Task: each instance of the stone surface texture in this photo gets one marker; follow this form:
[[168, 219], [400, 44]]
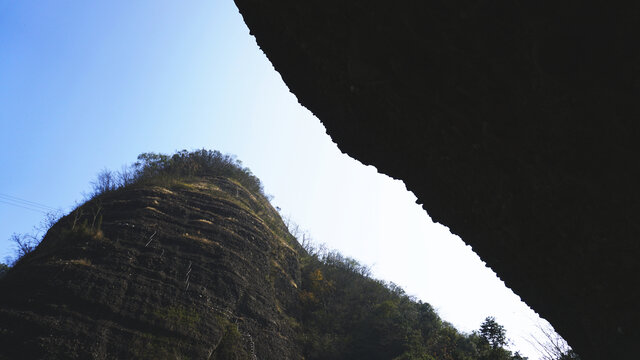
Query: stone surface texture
[[198, 270]]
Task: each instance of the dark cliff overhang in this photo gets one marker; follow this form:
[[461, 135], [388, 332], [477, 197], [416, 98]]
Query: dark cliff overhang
[[515, 123]]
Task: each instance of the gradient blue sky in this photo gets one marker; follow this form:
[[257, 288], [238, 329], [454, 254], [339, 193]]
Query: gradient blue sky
[[87, 85]]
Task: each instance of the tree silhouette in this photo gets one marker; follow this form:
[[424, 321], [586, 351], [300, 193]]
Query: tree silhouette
[[493, 333], [4, 268]]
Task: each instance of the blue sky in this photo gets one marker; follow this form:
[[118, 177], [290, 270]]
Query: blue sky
[[87, 85]]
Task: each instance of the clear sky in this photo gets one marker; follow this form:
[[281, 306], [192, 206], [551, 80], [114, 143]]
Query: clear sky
[[87, 85]]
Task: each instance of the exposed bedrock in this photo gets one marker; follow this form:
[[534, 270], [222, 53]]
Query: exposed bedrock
[[515, 123]]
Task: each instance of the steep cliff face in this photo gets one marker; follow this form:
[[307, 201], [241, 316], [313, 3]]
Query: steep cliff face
[[514, 123], [202, 268], [192, 270]]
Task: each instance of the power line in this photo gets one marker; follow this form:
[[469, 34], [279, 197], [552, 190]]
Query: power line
[[24, 207], [25, 202]]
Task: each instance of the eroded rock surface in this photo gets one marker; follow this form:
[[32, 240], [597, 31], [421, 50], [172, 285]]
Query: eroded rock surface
[[199, 270]]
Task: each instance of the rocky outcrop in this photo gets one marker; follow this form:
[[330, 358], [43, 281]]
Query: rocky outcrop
[[179, 266], [514, 123], [201, 269]]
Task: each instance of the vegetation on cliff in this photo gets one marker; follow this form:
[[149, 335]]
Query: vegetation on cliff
[[149, 169], [347, 314], [174, 257], [183, 165], [183, 256]]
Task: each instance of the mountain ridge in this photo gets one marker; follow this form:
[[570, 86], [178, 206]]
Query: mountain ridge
[[148, 244], [186, 258]]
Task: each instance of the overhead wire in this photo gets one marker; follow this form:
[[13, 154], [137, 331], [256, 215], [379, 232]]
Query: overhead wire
[[24, 207], [25, 201], [25, 204]]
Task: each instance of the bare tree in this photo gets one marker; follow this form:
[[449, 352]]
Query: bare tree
[[50, 219], [24, 244], [77, 215], [551, 345], [105, 182], [95, 211], [303, 237], [126, 176]]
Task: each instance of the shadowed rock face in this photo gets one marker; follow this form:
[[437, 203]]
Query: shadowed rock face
[[199, 270], [515, 123]]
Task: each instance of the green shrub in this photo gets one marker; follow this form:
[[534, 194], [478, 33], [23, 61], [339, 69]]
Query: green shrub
[[167, 169]]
